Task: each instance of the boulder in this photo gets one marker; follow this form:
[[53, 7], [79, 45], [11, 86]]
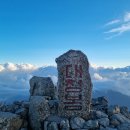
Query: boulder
[[64, 124], [91, 124], [113, 110], [107, 128], [25, 104], [100, 103], [10, 121], [104, 122], [38, 111], [53, 104], [100, 114], [22, 112], [23, 129], [42, 86], [54, 118], [52, 126], [124, 111], [124, 126], [120, 118], [114, 122], [77, 122]]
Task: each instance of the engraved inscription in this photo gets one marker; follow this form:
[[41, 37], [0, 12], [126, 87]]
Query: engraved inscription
[[73, 94]]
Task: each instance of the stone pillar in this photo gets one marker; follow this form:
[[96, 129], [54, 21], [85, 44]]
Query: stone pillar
[[74, 84]]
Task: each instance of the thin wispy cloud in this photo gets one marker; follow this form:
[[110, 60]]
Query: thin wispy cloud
[[127, 17], [112, 22], [120, 28]]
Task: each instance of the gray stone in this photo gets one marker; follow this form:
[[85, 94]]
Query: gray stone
[[114, 122], [53, 104], [107, 128], [104, 122], [38, 111], [45, 125], [119, 117], [42, 86], [82, 129], [113, 110], [22, 112], [124, 111], [124, 126], [64, 124], [54, 118], [77, 123], [91, 124], [100, 103], [100, 114], [25, 104], [23, 129], [25, 124], [52, 126], [74, 84], [10, 121]]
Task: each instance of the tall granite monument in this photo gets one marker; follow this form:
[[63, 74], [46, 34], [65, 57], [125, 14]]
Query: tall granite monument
[[74, 84]]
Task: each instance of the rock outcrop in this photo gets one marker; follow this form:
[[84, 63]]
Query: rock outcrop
[[14, 116]]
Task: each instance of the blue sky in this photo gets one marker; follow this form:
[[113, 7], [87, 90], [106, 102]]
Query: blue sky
[[38, 31]]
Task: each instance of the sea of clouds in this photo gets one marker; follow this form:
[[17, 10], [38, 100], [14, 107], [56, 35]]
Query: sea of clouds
[[14, 80]]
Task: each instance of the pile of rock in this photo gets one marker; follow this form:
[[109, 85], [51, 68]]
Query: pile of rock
[[14, 116], [111, 118]]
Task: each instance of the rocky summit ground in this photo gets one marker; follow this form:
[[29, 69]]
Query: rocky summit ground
[[102, 117]]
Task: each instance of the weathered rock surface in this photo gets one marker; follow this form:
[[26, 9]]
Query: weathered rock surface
[[38, 111], [104, 122], [100, 114], [77, 123], [113, 110], [119, 117], [91, 124], [99, 120], [74, 84], [42, 86], [10, 121], [52, 126], [100, 103], [124, 111], [64, 124], [124, 126]]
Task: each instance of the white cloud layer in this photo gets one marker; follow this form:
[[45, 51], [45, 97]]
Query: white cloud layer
[[97, 76], [14, 79], [120, 28]]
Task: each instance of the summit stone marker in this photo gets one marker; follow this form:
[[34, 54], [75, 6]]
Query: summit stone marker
[[74, 84]]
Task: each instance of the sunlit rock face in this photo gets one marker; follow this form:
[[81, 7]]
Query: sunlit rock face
[[74, 84]]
